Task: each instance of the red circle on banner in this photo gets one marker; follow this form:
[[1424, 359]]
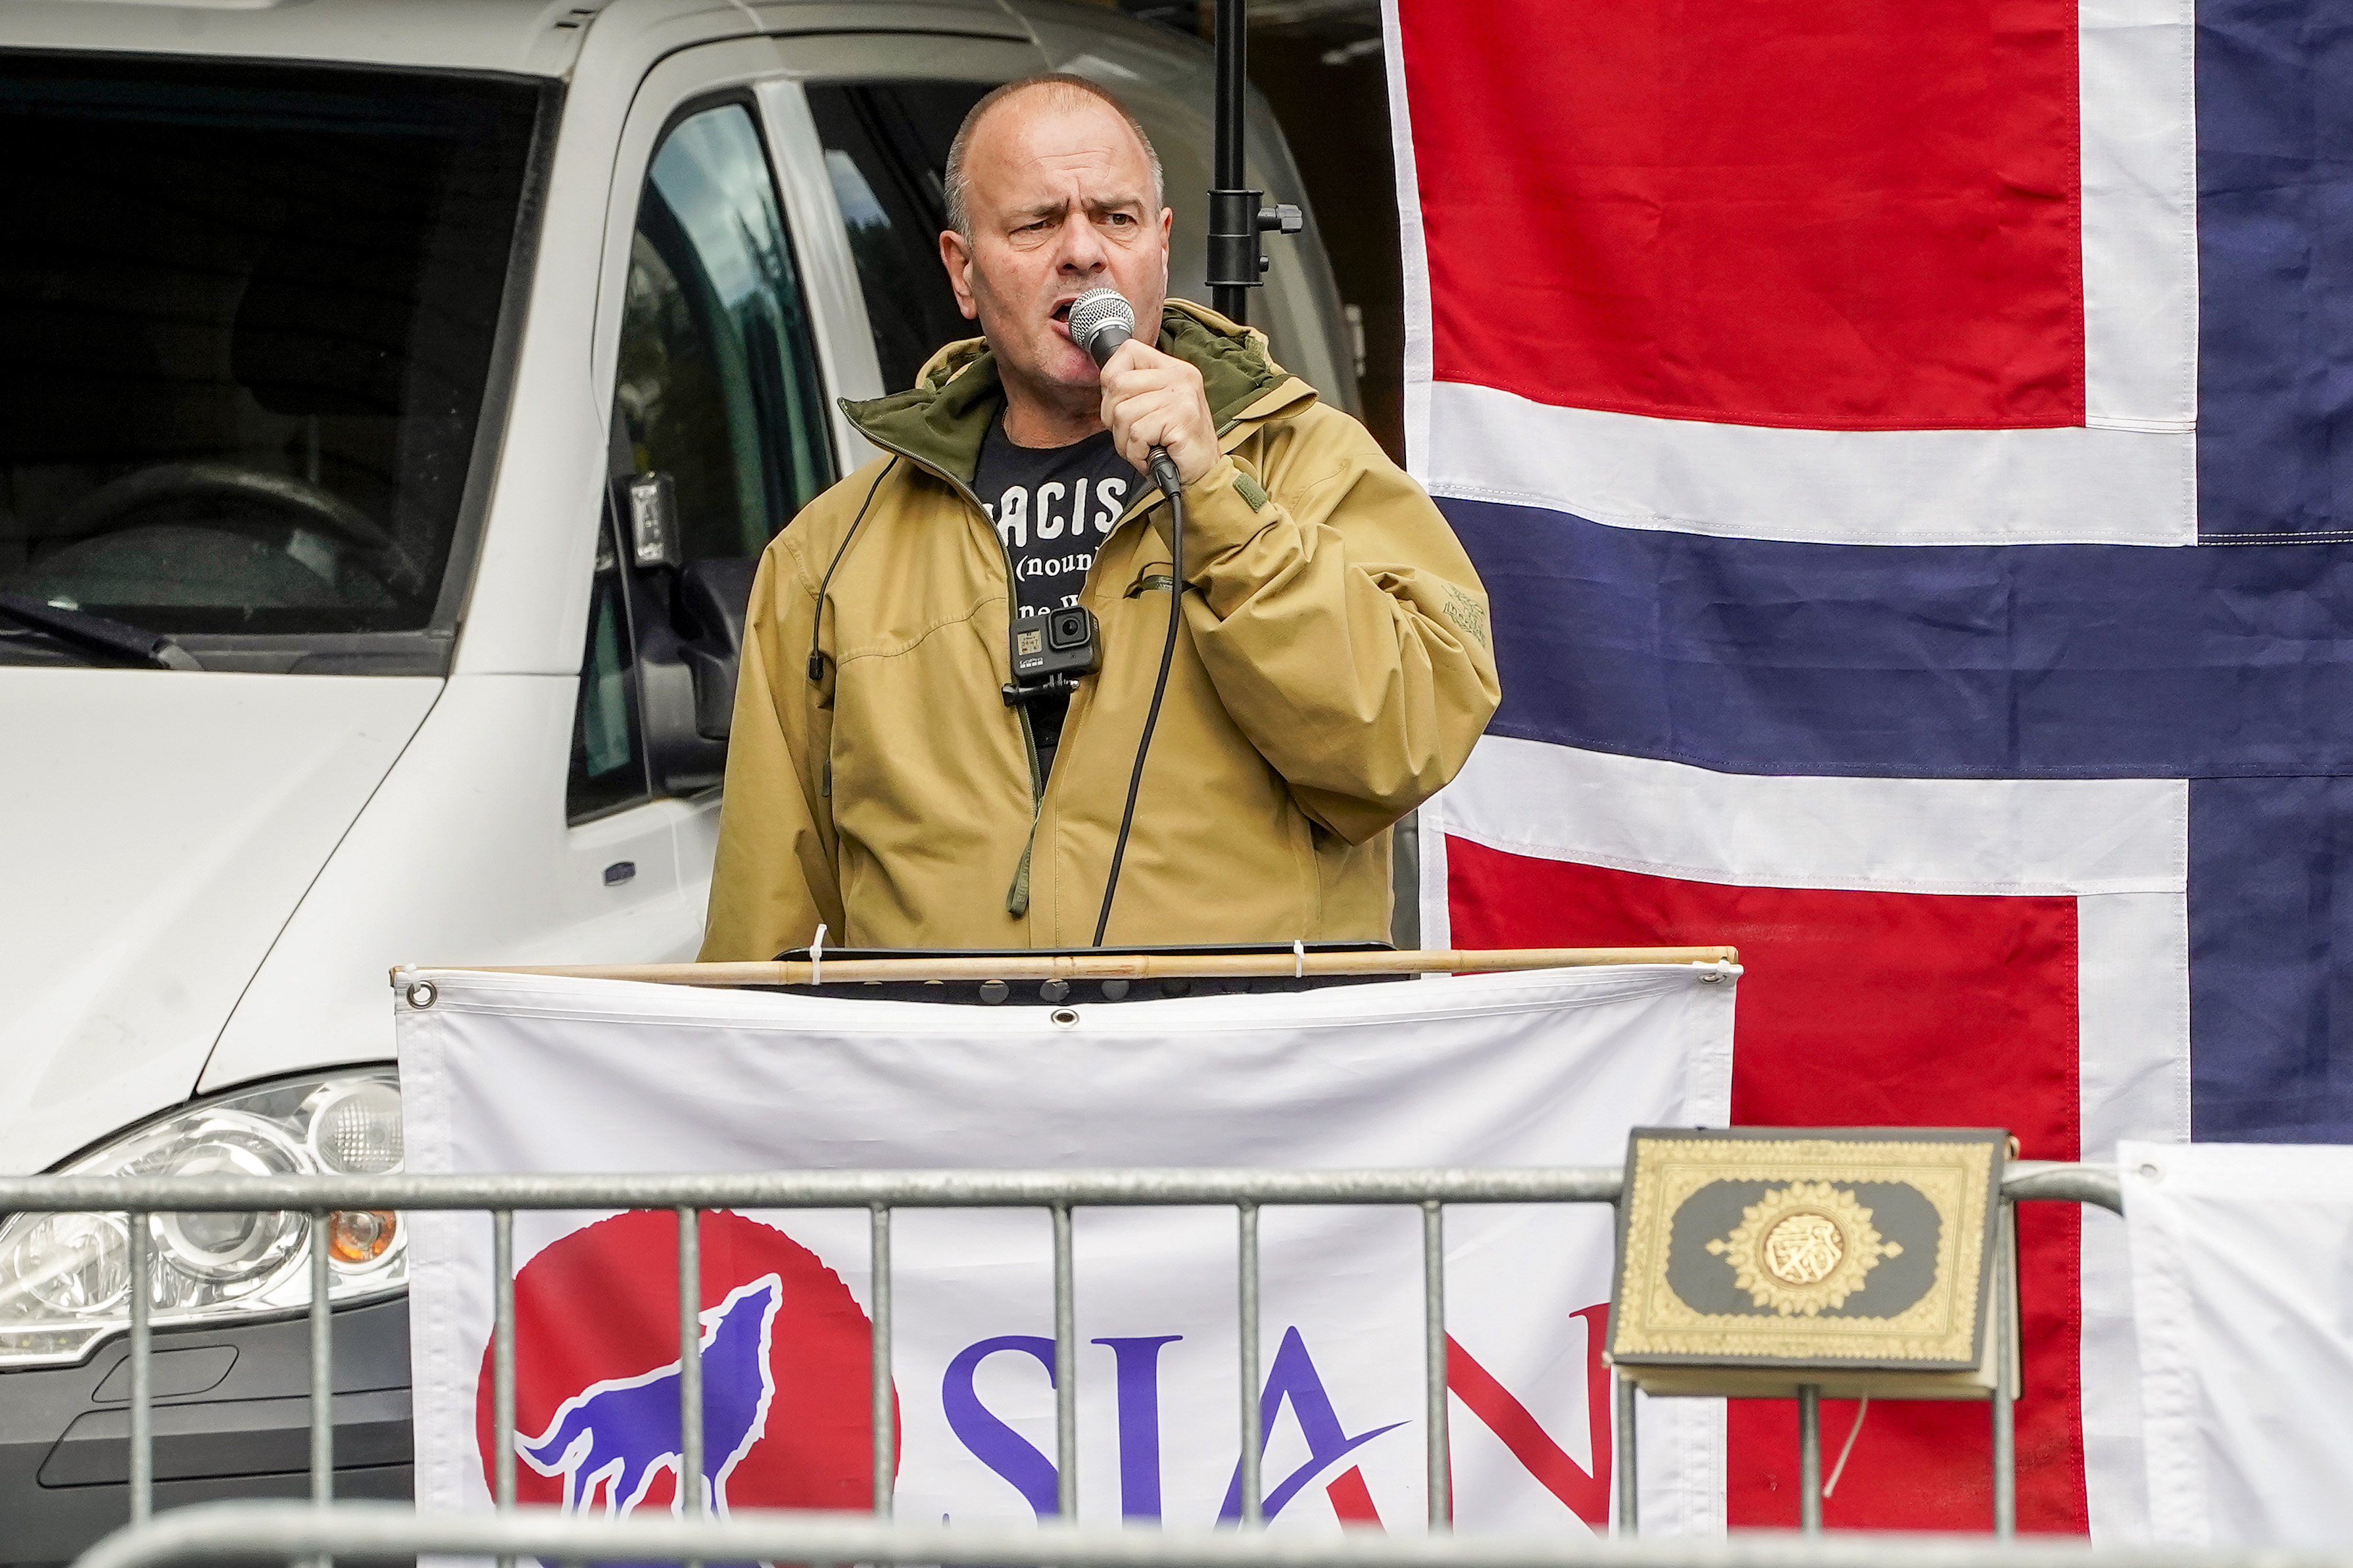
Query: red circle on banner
[[788, 1405]]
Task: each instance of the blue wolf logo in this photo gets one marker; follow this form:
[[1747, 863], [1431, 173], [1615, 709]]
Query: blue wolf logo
[[621, 1433]]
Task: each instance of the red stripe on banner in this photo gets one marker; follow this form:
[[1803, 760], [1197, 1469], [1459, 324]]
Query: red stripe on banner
[[1585, 1493], [1352, 1499], [1850, 218], [1861, 1009]]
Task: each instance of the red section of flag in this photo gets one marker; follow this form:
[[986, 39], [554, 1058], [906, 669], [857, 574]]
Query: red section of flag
[[1859, 1009], [1855, 216]]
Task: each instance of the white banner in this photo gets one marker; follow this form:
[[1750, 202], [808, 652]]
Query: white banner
[[2243, 1297], [529, 1074]]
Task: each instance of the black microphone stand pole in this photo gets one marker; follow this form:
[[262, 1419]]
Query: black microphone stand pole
[[1236, 218]]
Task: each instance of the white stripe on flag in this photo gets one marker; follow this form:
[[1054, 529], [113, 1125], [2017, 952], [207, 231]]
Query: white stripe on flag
[[2140, 214], [2010, 836], [1827, 486], [1413, 250]]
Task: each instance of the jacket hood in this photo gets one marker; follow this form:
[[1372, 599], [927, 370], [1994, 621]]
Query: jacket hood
[[941, 421]]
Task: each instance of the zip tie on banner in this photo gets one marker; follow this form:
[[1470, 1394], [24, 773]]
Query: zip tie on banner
[[1714, 973], [1852, 1433], [817, 955], [1298, 958]]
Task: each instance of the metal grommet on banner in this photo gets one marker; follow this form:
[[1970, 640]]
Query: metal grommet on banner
[[817, 955], [421, 995], [1298, 958], [1065, 1017], [1713, 973]]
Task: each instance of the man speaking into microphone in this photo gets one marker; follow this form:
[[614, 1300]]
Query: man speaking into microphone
[[954, 659]]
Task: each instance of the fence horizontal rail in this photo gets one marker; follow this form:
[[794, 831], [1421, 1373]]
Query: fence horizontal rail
[[1246, 1190], [212, 1532], [903, 1189]]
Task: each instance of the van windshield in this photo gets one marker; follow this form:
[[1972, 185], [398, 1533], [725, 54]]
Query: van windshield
[[248, 314]]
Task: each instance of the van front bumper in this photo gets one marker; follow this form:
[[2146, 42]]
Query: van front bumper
[[232, 1420]]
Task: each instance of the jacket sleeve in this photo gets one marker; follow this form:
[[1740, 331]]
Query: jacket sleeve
[[775, 878], [1342, 625]]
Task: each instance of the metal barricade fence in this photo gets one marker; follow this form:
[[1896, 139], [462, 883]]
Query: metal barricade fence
[[880, 1194], [378, 1531]]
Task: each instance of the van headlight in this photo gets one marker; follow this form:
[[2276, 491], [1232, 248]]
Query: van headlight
[[65, 1279]]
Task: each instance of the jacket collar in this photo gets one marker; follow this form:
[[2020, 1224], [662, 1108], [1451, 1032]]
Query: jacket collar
[[941, 420]]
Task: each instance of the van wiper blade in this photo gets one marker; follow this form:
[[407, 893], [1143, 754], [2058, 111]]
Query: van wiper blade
[[101, 633]]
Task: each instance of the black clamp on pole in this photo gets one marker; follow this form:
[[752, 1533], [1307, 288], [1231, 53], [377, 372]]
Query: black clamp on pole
[[1236, 218]]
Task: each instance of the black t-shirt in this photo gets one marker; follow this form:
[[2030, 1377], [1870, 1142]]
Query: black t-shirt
[[1051, 506]]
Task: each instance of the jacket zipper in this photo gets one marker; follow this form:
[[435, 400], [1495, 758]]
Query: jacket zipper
[[1016, 894]]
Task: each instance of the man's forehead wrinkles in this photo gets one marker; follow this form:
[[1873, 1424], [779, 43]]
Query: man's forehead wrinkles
[[1077, 157]]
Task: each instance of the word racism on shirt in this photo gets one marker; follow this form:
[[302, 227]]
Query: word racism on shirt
[[1016, 522]]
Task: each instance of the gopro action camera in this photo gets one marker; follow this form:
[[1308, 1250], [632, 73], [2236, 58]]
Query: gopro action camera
[[1051, 651]]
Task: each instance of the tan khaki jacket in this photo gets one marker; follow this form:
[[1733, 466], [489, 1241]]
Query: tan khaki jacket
[[1334, 668]]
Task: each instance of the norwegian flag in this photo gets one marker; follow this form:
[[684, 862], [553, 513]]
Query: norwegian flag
[[1910, 450]]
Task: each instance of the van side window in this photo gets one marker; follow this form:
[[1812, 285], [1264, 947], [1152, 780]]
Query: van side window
[[717, 391], [886, 151], [608, 760], [718, 385]]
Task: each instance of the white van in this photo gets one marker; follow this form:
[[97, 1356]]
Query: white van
[[340, 341]]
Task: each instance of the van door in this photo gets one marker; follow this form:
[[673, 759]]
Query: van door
[[839, 265], [719, 433]]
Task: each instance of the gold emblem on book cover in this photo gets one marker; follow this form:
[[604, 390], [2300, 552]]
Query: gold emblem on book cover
[[1803, 1248]]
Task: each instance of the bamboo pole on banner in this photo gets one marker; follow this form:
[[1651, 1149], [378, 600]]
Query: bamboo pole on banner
[[1087, 966]]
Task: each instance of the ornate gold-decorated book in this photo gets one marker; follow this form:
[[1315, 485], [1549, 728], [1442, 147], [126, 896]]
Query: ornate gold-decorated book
[[1860, 1259]]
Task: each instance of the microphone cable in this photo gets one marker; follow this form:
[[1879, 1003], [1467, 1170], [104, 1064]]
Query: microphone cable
[[817, 621], [1164, 474]]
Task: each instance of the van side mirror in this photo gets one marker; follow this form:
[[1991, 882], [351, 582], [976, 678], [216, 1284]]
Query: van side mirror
[[688, 648], [713, 596]]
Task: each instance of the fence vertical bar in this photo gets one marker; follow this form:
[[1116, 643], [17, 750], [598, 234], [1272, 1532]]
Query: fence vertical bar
[[1066, 1371], [1246, 1269], [885, 1414], [1629, 1489], [1433, 1329], [1809, 1458], [694, 1504], [322, 1365], [322, 1368], [502, 1362], [2005, 1425], [142, 1370]]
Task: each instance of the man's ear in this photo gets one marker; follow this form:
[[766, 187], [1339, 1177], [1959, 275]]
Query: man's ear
[[955, 255]]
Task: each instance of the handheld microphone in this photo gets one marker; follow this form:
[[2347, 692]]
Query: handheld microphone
[[1102, 319]]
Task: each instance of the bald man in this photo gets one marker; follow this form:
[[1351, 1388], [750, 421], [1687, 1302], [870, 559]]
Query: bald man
[[889, 778]]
